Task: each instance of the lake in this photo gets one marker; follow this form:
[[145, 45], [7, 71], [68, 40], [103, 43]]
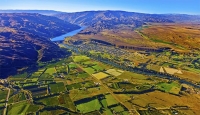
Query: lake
[[69, 34]]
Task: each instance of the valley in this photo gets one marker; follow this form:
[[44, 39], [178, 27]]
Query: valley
[[75, 84], [99, 63]]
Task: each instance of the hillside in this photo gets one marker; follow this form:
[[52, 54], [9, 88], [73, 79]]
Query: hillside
[[131, 29], [110, 19], [25, 40]]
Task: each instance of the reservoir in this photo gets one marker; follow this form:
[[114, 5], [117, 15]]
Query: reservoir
[[69, 34]]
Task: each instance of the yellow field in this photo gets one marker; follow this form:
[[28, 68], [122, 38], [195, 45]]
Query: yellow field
[[100, 75], [114, 72]]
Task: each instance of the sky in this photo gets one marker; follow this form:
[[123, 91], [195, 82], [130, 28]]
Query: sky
[[143, 6]]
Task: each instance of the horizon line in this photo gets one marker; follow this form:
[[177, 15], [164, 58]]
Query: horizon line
[[97, 11]]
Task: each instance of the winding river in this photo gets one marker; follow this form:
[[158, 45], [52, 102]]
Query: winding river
[[69, 34]]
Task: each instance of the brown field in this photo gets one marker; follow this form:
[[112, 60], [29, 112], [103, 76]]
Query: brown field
[[119, 37], [165, 100], [180, 37], [190, 76], [185, 35]]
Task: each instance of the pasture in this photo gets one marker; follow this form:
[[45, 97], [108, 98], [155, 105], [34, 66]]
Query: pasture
[[98, 68], [3, 95], [110, 100], [89, 70], [57, 87], [50, 71], [89, 106], [80, 58], [50, 101], [172, 87], [33, 108], [17, 97], [18, 109], [65, 100]]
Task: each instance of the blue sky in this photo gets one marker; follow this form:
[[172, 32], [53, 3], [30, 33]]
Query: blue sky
[[145, 6]]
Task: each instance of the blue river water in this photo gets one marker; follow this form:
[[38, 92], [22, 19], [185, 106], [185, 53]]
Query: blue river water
[[69, 34]]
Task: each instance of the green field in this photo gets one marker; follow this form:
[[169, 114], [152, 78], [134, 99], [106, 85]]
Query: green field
[[108, 112], [74, 86], [118, 108], [18, 109], [3, 94], [50, 71], [65, 100], [50, 101], [89, 106], [17, 97], [83, 75], [172, 87], [104, 103], [89, 63], [98, 68], [89, 70], [110, 100], [33, 108], [80, 58], [72, 66], [57, 87]]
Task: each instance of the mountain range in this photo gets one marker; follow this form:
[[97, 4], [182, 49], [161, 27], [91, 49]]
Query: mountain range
[[25, 34], [25, 40]]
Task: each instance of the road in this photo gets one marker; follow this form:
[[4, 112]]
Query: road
[[6, 103]]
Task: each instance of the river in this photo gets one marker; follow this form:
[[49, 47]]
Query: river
[[69, 34]]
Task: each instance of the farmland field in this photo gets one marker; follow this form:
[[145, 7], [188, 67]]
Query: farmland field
[[64, 100], [72, 66], [100, 75], [98, 68], [80, 58], [74, 86], [50, 71], [89, 106], [3, 94], [83, 75], [113, 72], [110, 100], [19, 108], [89, 70], [17, 97], [57, 87], [33, 108], [169, 87], [50, 101]]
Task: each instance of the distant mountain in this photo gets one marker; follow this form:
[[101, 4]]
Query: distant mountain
[[111, 19], [25, 40], [43, 12]]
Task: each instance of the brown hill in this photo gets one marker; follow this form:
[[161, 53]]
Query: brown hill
[[25, 40]]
